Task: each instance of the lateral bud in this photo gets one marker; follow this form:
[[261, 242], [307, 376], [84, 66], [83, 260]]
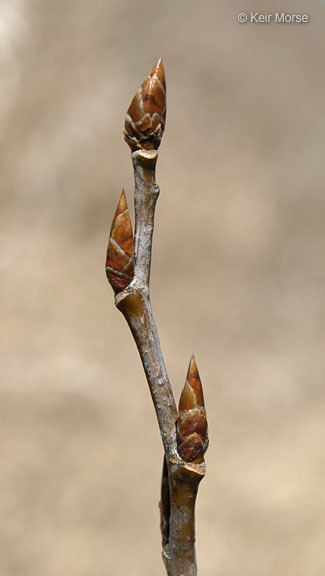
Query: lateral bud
[[192, 428], [120, 251], [146, 116]]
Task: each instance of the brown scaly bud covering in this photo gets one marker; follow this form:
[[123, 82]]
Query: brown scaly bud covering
[[120, 260], [146, 116], [192, 429]]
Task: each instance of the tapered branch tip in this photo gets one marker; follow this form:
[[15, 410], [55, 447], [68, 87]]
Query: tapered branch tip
[[146, 115]]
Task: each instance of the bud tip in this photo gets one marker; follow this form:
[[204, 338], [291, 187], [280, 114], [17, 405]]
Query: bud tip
[[122, 205]]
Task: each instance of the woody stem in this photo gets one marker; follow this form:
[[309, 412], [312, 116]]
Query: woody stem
[[134, 301], [181, 479]]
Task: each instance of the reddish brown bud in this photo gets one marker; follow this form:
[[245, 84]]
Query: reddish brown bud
[[192, 429], [120, 260], [146, 116]]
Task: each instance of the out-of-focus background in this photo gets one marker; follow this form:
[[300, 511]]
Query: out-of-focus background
[[237, 277]]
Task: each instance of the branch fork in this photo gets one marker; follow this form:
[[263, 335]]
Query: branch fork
[[183, 431]]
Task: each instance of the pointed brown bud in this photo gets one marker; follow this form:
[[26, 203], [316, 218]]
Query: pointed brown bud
[[192, 429], [120, 260], [146, 116]]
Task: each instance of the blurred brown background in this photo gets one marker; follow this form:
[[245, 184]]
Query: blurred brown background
[[237, 277]]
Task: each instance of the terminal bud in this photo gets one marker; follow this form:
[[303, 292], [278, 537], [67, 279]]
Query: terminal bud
[[146, 116]]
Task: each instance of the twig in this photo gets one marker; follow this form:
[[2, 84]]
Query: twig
[[184, 433]]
